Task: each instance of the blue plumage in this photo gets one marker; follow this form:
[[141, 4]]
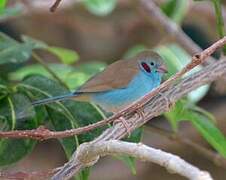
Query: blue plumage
[[115, 99], [121, 83]]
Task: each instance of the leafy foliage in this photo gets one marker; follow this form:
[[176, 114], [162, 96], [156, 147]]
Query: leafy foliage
[[3, 4], [22, 83], [73, 77], [12, 53], [175, 9], [11, 107], [66, 56], [201, 120], [15, 102], [63, 115], [100, 7], [136, 137], [31, 86], [9, 12]]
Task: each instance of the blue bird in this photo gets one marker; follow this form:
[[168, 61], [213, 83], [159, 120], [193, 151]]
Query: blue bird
[[120, 83]]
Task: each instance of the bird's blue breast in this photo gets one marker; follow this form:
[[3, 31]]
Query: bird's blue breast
[[140, 85]]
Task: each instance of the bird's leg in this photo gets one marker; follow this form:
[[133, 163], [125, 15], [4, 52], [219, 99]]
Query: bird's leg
[[169, 104], [124, 123]]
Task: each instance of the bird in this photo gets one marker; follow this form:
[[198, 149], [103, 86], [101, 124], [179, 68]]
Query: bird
[[120, 83]]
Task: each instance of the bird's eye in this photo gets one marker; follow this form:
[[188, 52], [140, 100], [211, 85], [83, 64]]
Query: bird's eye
[[146, 67], [152, 63]]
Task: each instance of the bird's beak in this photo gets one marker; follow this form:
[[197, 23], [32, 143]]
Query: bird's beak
[[162, 69]]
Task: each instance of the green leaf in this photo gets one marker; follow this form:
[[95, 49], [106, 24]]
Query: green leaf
[[220, 20], [10, 12], [6, 114], [61, 70], [100, 7], [2, 4], [135, 136], [134, 50], [16, 109], [18, 53], [13, 54], [65, 115], [177, 113], [129, 161], [202, 121], [12, 150], [65, 55], [36, 44], [175, 9], [210, 132], [202, 112], [73, 114], [84, 174], [13, 113], [72, 76], [3, 91]]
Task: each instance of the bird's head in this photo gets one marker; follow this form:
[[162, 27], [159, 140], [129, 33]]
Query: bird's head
[[151, 63]]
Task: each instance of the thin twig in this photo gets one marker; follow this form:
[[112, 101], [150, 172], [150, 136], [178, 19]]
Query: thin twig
[[155, 107], [170, 28], [210, 155], [42, 175], [42, 133], [196, 60], [89, 153], [39, 60], [54, 6]]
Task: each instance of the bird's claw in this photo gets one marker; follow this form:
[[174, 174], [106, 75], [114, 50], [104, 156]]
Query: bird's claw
[[125, 124], [140, 113]]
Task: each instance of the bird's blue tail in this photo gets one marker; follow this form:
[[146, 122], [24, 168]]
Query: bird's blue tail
[[53, 99]]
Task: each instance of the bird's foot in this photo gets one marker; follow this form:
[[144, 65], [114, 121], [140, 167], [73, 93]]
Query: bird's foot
[[140, 113], [169, 104], [125, 124]]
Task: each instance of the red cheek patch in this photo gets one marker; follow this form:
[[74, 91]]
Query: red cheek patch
[[146, 67]]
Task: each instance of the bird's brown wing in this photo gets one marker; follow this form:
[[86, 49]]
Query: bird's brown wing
[[116, 75]]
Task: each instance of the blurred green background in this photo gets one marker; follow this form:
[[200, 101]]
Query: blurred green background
[[44, 54]]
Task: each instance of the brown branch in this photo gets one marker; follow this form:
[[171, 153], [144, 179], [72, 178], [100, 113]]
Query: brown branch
[[214, 157], [42, 175], [55, 5], [42, 133], [88, 154], [196, 60], [153, 107], [170, 28], [154, 104]]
